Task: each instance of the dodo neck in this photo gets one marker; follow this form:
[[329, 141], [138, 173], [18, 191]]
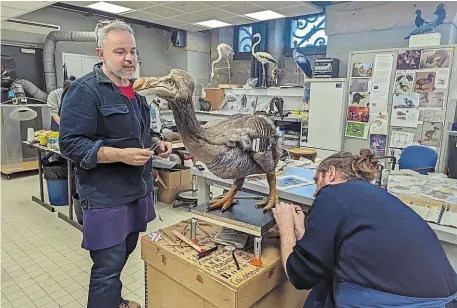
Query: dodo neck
[[185, 118]]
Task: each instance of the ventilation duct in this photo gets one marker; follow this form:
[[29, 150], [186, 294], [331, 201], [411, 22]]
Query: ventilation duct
[[49, 50], [32, 89]]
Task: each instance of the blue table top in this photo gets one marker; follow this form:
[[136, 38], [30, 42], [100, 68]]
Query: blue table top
[[305, 191]]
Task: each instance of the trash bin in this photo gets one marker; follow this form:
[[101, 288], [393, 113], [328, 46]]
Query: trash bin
[[55, 174]]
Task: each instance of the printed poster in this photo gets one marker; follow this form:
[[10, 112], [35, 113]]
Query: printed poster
[[382, 72], [408, 59], [357, 130], [362, 70], [401, 140], [432, 115], [436, 58], [431, 100], [425, 81], [379, 101], [358, 114], [379, 123], [431, 133], [378, 144], [361, 99], [404, 82], [360, 85], [442, 78]]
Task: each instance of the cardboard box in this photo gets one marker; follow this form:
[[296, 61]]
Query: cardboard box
[[170, 182]]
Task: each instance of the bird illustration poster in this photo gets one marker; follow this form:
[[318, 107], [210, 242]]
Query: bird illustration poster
[[361, 99], [379, 101], [404, 82], [425, 81], [357, 130], [432, 115], [431, 100], [362, 70], [431, 133], [360, 85], [358, 114], [408, 59], [401, 140], [442, 78], [402, 100], [436, 58], [379, 123], [378, 144]]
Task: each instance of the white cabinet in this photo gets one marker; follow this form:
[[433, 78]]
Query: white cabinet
[[324, 127]]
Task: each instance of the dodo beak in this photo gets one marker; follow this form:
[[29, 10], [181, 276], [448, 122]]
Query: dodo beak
[[147, 86]]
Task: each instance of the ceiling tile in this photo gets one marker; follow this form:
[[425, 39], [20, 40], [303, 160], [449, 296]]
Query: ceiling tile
[[216, 14], [238, 20], [298, 10], [163, 11], [170, 22], [25, 5], [218, 3], [188, 6], [10, 12], [141, 16], [272, 5], [135, 5], [189, 18], [243, 7], [192, 28], [80, 3]]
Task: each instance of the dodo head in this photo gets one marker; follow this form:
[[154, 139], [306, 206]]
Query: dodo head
[[177, 86]]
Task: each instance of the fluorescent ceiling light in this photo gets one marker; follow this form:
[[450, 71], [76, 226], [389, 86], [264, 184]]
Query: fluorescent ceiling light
[[212, 23], [265, 15], [109, 7]]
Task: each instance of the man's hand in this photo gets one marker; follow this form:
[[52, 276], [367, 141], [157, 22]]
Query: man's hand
[[164, 149], [134, 156], [284, 216], [299, 222]]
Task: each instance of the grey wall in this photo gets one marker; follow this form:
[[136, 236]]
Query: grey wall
[[150, 42]]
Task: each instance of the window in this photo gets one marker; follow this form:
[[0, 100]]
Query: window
[[243, 42], [308, 32]]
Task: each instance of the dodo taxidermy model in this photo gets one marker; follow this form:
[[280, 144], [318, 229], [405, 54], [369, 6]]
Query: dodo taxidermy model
[[232, 148]]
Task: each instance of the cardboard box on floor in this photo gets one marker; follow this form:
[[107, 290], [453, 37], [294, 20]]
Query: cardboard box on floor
[[170, 182]]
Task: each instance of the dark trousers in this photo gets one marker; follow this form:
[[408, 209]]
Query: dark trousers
[[105, 283]]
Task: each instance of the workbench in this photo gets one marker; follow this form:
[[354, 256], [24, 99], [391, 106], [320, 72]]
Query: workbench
[[303, 196], [175, 277], [41, 201]]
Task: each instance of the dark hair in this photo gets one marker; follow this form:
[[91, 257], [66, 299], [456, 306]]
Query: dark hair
[[353, 167], [66, 86]]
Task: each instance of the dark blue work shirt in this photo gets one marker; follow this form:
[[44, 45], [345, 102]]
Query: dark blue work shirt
[[359, 233], [96, 113]]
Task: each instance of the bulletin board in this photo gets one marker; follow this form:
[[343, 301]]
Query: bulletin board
[[401, 97]]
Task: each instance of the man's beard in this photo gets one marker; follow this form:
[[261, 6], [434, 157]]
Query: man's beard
[[118, 71]]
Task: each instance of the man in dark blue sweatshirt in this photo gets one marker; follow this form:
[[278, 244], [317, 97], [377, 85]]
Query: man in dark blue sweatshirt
[[362, 247]]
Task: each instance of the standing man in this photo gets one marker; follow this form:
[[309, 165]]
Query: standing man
[[54, 102], [105, 130]]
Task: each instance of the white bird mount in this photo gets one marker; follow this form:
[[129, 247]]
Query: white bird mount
[[224, 51], [263, 58]]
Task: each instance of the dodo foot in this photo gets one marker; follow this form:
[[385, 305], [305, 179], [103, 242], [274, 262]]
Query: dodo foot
[[267, 204], [221, 203]]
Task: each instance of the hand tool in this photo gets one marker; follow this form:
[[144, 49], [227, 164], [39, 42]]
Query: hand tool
[[187, 241], [206, 252], [232, 249]]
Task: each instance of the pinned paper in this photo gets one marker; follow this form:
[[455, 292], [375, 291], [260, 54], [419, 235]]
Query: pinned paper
[[357, 130], [401, 140], [379, 123]]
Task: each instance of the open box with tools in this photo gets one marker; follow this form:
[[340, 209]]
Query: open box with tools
[[176, 274]]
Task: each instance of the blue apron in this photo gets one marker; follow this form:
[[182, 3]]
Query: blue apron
[[54, 125], [352, 295]]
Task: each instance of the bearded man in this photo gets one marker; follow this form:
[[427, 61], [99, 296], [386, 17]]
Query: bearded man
[[105, 130]]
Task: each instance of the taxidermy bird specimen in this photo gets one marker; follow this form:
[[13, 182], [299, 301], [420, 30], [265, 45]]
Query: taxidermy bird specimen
[[423, 81], [262, 57], [231, 148], [276, 75], [302, 62], [224, 51], [204, 104], [428, 27]]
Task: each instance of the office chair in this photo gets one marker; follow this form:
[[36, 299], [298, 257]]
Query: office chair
[[418, 158]]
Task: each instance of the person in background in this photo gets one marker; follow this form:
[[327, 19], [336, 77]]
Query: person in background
[[54, 102], [362, 247], [105, 130]]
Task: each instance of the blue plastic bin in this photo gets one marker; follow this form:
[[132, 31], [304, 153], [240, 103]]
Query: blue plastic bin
[[58, 192]]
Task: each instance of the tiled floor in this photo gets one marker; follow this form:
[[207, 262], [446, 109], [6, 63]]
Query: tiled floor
[[42, 262]]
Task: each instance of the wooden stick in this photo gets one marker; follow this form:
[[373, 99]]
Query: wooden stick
[[187, 241]]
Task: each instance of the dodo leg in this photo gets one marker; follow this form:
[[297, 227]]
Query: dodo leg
[[273, 196], [227, 201]]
